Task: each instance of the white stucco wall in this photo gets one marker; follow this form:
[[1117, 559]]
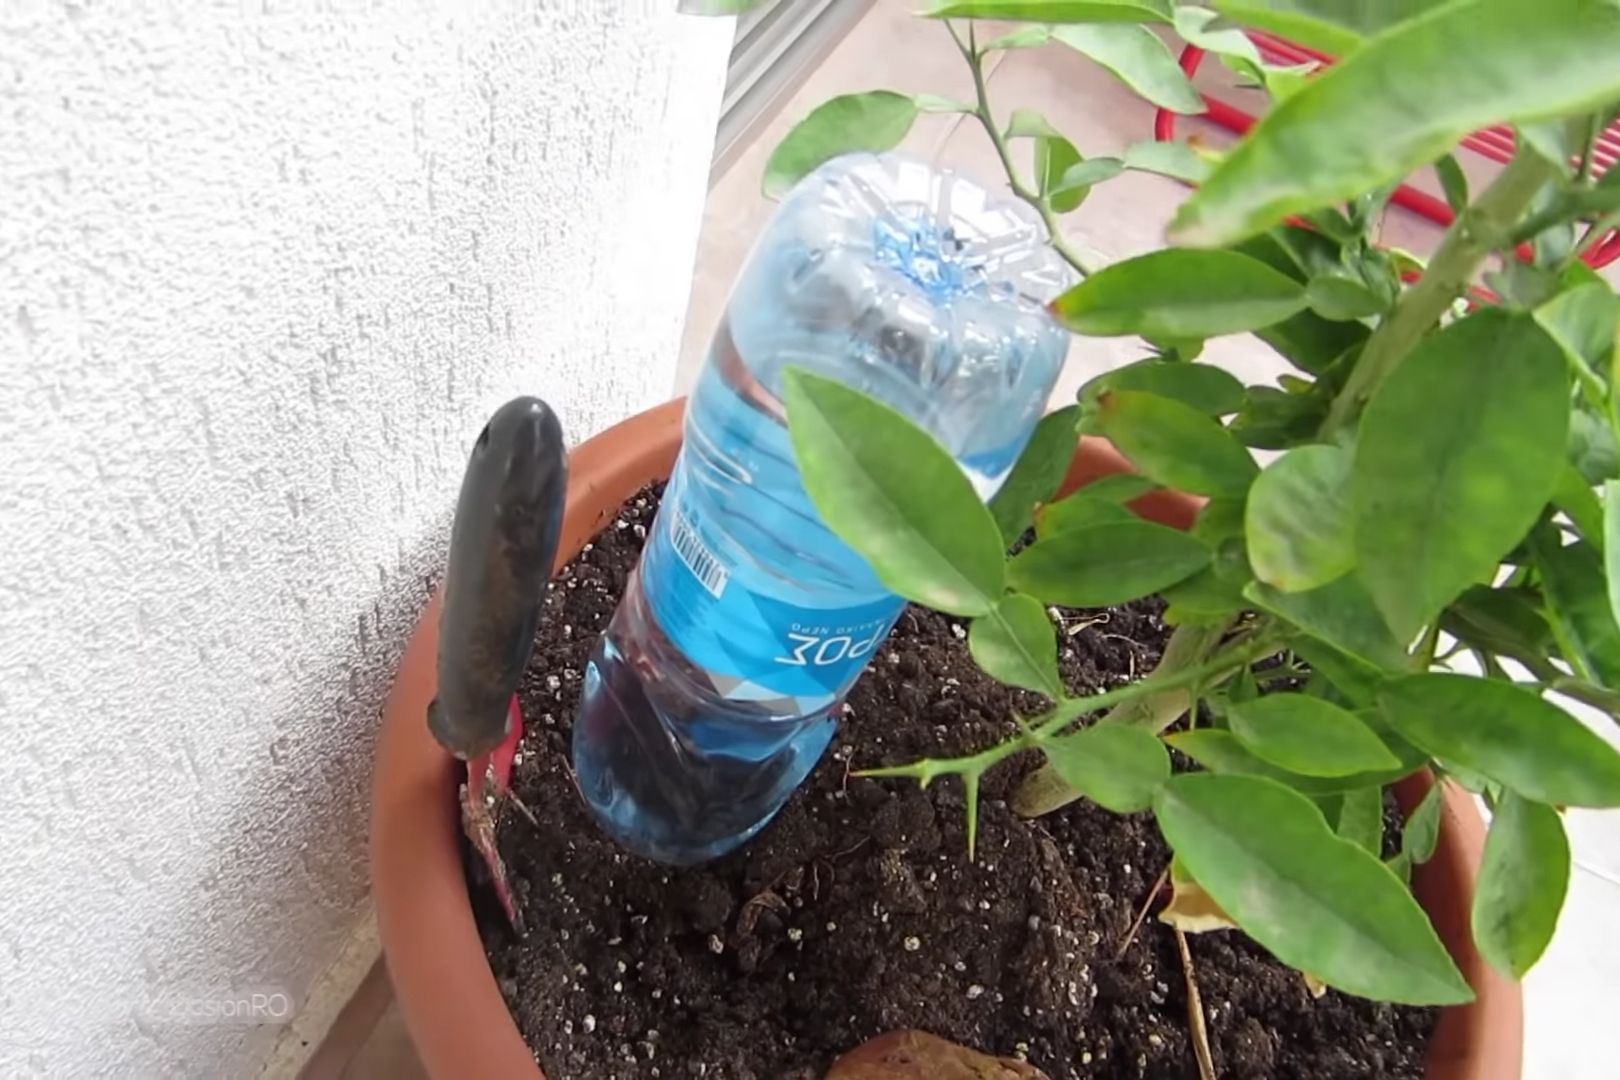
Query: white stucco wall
[[264, 269]]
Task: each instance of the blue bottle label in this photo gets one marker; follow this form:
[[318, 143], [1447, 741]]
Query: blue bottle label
[[762, 642]]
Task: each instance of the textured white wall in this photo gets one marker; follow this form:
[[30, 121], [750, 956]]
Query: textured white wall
[[264, 269]]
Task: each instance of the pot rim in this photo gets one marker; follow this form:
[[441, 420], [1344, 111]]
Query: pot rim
[[454, 1010]]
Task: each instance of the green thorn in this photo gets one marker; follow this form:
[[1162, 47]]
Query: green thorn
[[971, 782]]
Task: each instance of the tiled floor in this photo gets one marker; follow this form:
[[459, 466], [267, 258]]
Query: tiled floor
[[1572, 994]]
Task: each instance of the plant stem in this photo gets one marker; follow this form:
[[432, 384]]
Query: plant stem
[[1476, 232], [1044, 791], [987, 119], [1069, 710]]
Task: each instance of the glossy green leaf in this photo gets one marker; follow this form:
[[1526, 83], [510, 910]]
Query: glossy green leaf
[[1176, 160], [1201, 386], [1309, 736], [1037, 473], [1138, 58], [1079, 511], [1319, 903], [893, 494], [1016, 644], [1522, 881], [1175, 444], [1421, 832], [1453, 181], [1020, 37], [1221, 752], [1054, 11], [1523, 62], [1439, 495], [1116, 766], [1578, 598], [1360, 819], [1341, 613], [1507, 733], [1298, 519], [1120, 487], [876, 120], [1106, 564], [1178, 293]]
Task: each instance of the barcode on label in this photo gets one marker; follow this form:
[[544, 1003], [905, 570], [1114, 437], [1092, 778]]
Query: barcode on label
[[698, 559]]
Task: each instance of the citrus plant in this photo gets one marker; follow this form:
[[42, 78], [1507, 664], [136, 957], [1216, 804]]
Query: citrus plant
[[1427, 559]]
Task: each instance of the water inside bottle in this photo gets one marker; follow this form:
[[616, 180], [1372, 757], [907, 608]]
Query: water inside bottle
[[717, 686]]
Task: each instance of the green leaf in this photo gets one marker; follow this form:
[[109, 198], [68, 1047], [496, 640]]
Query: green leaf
[[1054, 157], [1340, 297], [1351, 676], [1453, 181], [1176, 293], [1175, 444], [1106, 564], [1220, 519], [1340, 613], [1319, 903], [1523, 62], [1439, 495], [1082, 176], [1054, 11], [1522, 882], [1031, 124], [1552, 140], [1504, 621], [1176, 160], [1335, 27], [1578, 598], [1120, 487], [1038, 472], [1016, 644], [876, 120], [1021, 37], [1138, 58], [1421, 832], [1192, 24], [1204, 596], [1079, 511], [1360, 819], [1297, 522], [1583, 321], [1312, 343], [1115, 766], [1575, 497], [1221, 752], [1507, 733], [893, 494], [1309, 736], [1611, 545], [1202, 386], [1591, 447]]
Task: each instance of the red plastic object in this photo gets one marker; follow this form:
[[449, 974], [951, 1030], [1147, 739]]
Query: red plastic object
[[1495, 143]]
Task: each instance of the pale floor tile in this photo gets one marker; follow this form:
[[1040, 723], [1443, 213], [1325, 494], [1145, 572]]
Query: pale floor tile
[[1570, 997]]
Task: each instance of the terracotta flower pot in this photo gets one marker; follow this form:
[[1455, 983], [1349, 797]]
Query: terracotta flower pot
[[452, 1007]]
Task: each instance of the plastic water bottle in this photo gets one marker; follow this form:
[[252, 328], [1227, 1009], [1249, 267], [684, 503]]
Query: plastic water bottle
[[719, 681]]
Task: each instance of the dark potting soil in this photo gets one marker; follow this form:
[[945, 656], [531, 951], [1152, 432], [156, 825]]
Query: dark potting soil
[[857, 912]]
